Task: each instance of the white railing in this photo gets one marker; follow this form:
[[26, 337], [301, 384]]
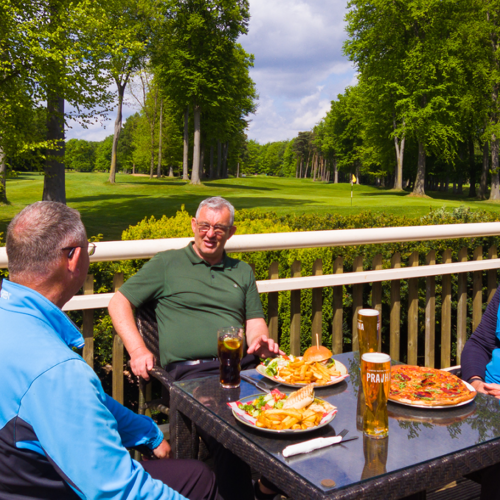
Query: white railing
[[144, 249]]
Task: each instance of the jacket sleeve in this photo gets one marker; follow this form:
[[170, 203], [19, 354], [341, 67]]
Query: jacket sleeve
[[134, 429], [478, 349], [68, 411]]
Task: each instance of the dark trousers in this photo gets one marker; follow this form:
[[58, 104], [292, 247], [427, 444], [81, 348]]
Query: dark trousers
[[233, 475], [191, 478]]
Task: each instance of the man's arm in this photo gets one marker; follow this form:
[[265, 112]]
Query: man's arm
[[258, 340], [122, 314], [83, 439]]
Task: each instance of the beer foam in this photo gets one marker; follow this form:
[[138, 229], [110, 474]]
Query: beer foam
[[376, 357], [367, 312]]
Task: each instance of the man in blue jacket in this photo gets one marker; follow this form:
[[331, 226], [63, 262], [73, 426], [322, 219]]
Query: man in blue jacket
[[61, 435]]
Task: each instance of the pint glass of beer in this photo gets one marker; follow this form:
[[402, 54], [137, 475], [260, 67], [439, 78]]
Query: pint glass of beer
[[376, 380], [368, 331], [230, 351]]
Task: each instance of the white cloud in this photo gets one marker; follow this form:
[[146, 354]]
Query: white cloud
[[299, 65]]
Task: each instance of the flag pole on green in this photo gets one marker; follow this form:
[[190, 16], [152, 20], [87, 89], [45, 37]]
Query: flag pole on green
[[353, 180]]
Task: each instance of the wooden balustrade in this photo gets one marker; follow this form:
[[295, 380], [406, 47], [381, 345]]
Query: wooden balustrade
[[452, 311]]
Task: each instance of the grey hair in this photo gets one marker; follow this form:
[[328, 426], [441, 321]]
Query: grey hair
[[36, 235], [217, 203]]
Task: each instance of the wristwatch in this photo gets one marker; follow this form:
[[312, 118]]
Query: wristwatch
[[474, 377]]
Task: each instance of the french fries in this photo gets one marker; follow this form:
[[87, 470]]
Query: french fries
[[300, 372], [289, 419]]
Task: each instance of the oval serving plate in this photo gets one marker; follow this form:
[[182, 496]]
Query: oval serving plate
[[242, 420], [338, 365]]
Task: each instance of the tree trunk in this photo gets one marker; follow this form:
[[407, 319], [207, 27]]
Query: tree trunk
[[419, 185], [495, 192], [307, 166], [195, 173], [3, 177], [202, 161], [158, 168], [54, 188], [483, 183], [238, 170], [335, 172], [152, 163], [297, 164], [356, 170], [472, 167], [185, 156], [224, 160], [400, 149], [118, 129], [171, 171], [219, 159], [211, 174]]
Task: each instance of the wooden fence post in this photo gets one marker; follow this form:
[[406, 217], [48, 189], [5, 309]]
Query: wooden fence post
[[492, 274], [295, 313], [395, 326], [377, 293], [461, 307], [338, 310], [88, 324], [117, 386], [317, 305], [430, 313], [446, 314], [477, 291], [272, 303], [357, 302], [413, 313]]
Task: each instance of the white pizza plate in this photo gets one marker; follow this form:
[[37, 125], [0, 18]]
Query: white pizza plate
[[338, 365], [442, 407], [274, 431]]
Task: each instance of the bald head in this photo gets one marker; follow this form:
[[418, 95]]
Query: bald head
[[36, 236]]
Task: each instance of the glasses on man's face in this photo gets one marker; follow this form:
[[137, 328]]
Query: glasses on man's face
[[219, 229], [91, 250]]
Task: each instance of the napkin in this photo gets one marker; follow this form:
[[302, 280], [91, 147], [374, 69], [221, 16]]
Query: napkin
[[312, 444]]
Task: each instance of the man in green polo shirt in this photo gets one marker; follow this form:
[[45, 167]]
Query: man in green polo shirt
[[199, 289]]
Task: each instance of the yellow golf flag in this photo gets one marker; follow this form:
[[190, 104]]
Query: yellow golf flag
[[353, 179]]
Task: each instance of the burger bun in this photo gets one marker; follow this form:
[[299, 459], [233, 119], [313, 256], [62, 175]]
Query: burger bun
[[317, 354]]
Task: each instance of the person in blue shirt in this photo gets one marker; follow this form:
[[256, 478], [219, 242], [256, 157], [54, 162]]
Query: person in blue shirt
[[61, 435]]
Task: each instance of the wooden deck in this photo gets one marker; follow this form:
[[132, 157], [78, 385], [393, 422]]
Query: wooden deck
[[464, 489]]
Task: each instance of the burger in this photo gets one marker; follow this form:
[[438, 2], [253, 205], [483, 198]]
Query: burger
[[318, 354]]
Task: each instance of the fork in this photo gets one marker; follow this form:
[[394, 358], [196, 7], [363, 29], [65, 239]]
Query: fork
[[256, 383]]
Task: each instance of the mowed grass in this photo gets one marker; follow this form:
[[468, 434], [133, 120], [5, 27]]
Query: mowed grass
[[109, 209]]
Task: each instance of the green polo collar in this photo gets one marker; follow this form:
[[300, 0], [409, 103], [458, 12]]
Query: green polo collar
[[196, 259]]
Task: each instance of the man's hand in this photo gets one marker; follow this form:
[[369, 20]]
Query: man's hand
[[162, 451], [264, 347], [141, 361], [484, 388]]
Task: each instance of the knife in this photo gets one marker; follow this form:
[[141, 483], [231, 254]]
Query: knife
[[314, 444], [257, 383]]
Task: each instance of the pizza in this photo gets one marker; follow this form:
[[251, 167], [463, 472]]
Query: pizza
[[420, 386]]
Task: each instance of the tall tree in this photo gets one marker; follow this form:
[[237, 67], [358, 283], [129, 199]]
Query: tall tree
[[195, 56]]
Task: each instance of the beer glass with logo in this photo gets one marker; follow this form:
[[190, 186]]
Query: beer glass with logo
[[368, 331], [376, 380], [230, 351]]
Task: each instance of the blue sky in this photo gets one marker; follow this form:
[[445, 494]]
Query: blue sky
[[299, 68]]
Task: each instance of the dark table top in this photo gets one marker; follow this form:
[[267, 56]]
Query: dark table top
[[416, 436]]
